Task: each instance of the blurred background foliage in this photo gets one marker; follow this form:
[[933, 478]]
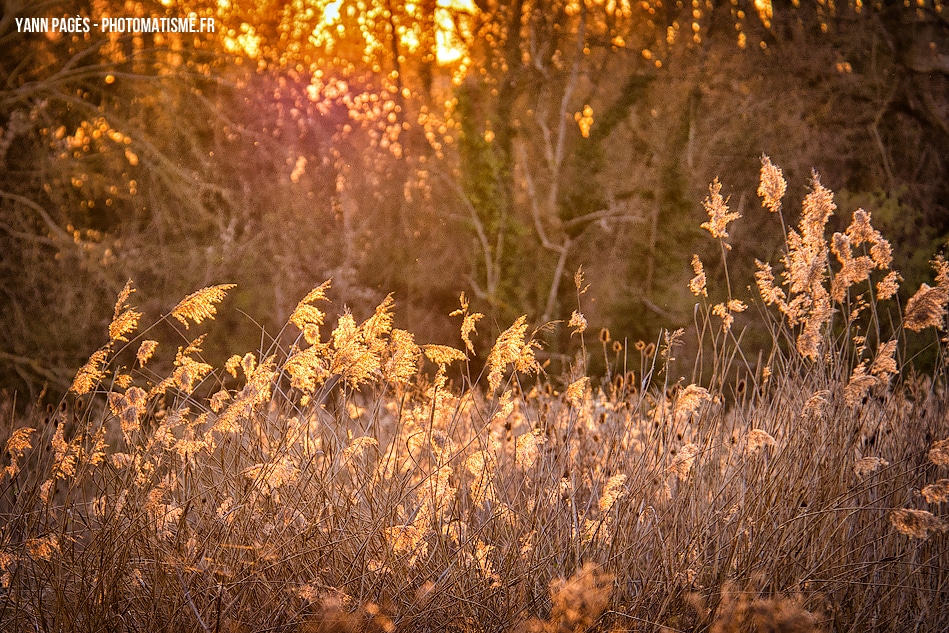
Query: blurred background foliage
[[433, 147]]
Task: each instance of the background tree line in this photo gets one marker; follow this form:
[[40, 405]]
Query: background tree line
[[428, 148]]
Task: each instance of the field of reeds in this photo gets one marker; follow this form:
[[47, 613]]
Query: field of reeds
[[345, 477]]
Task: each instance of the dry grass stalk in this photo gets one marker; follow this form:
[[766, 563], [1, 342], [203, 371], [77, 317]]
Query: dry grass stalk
[[332, 474]]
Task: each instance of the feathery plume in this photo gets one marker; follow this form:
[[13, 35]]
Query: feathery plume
[[91, 373], [353, 357], [357, 448], [402, 362], [124, 319], [200, 305], [232, 363], [859, 385], [697, 284], [189, 371], [867, 465], [926, 308], [884, 365], [122, 298], [42, 548], [256, 392], [916, 523], [374, 329], [510, 348], [123, 324], [145, 351], [816, 406], [578, 280], [718, 213], [770, 294], [725, 311], [612, 492], [248, 364], [476, 463], [578, 602], [756, 439], [818, 206], [578, 322], [937, 492], [66, 455], [576, 390], [129, 408], [889, 285], [772, 185], [17, 444], [216, 403], [273, 475], [443, 354], [468, 322], [856, 270], [689, 401], [682, 463], [527, 447], [805, 269], [861, 231], [939, 452], [505, 407], [853, 269], [307, 317]]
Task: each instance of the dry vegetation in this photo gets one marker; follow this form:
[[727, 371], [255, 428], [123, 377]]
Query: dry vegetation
[[340, 481]]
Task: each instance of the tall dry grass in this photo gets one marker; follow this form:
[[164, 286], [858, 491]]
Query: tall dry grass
[[340, 481]]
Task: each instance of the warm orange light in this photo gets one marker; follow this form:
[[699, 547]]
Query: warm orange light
[[452, 20]]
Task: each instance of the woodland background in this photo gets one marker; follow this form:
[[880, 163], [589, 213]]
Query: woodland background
[[429, 148]]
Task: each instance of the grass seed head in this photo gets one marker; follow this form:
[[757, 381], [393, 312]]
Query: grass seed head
[[772, 185], [916, 523], [200, 305], [867, 465], [757, 439], [697, 283], [89, 375], [937, 492], [939, 453], [926, 308], [718, 213]]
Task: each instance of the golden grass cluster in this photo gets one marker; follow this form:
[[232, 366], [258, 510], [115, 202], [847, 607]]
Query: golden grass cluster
[[348, 478]]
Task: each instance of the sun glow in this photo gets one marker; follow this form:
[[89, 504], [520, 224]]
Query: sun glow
[[331, 12], [453, 27]]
